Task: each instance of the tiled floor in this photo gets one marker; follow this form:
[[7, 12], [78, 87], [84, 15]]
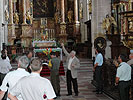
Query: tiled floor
[[85, 76]]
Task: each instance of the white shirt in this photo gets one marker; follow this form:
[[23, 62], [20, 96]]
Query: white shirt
[[34, 87], [69, 63], [5, 66], [124, 72], [99, 59], [12, 78]]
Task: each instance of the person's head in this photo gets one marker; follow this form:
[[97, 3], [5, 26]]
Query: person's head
[[36, 65], [98, 50], [131, 56], [53, 54], [3, 56], [23, 62], [122, 58], [72, 53], [29, 54]]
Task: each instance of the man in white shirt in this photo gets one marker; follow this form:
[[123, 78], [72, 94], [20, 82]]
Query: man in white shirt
[[33, 87], [72, 63], [5, 67], [14, 76], [123, 77]]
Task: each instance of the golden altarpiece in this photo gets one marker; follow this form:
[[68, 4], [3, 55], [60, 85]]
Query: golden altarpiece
[[120, 30], [42, 20]]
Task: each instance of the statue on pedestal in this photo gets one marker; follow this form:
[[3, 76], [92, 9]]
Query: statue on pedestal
[[56, 16], [16, 18], [108, 23], [28, 18], [70, 15]]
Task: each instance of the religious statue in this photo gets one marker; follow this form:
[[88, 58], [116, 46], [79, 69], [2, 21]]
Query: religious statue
[[56, 16], [90, 6], [81, 11], [6, 15], [107, 24], [28, 17], [70, 15], [16, 18]]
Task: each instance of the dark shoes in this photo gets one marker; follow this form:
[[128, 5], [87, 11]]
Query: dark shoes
[[68, 94], [95, 91], [100, 92], [76, 94]]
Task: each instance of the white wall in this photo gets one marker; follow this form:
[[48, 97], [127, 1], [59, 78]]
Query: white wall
[[3, 29], [100, 8]]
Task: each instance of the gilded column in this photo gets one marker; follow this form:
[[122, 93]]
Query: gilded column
[[63, 35], [24, 12], [76, 24]]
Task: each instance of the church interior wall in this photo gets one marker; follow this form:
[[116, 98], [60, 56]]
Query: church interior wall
[[100, 8]]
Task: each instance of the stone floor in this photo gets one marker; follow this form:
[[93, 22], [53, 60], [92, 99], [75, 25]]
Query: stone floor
[[85, 75]]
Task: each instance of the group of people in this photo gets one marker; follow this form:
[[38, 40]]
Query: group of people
[[25, 83], [123, 74]]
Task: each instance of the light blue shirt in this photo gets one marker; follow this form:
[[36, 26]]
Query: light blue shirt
[[99, 59], [124, 72]]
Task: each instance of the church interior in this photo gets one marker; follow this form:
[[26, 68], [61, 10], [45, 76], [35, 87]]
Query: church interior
[[82, 25]]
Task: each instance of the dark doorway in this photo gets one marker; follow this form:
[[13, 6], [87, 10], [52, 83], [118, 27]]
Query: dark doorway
[[88, 43]]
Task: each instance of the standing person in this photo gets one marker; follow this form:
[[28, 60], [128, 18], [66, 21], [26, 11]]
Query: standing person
[[29, 56], [4, 51], [14, 76], [123, 77], [5, 67], [33, 87], [54, 73], [72, 63], [130, 62], [98, 70]]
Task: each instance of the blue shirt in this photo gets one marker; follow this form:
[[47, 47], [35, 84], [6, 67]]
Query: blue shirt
[[99, 59]]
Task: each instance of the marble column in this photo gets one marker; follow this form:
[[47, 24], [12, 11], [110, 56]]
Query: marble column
[[63, 35], [11, 27], [76, 34], [76, 11], [62, 11], [24, 11], [11, 12]]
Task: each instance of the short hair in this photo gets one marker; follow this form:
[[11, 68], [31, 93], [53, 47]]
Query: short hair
[[3, 56], [35, 64], [27, 52], [74, 52], [53, 53], [23, 62], [123, 57], [99, 50]]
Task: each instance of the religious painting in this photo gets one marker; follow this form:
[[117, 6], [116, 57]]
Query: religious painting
[[43, 8], [130, 24]]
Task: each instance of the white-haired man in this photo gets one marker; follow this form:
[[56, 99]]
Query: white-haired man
[[73, 64], [33, 87], [14, 76]]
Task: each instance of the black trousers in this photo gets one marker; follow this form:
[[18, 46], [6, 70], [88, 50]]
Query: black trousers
[[71, 80], [99, 79], [124, 87]]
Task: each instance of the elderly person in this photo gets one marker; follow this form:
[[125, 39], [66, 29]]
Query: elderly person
[[14, 76], [33, 87], [72, 63]]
